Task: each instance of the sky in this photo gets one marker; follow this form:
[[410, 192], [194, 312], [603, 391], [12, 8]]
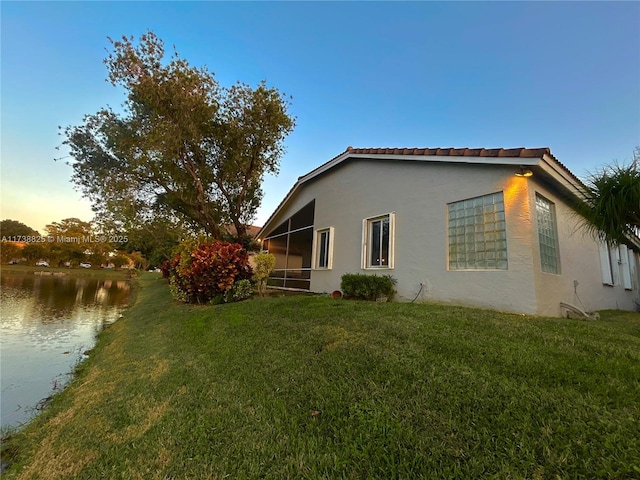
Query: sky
[[563, 75]]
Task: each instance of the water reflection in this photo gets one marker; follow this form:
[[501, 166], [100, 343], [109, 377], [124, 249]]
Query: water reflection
[[46, 324]]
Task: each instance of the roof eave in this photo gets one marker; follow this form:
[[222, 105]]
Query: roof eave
[[573, 186]]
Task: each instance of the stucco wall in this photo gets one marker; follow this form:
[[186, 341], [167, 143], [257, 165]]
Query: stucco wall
[[418, 194]]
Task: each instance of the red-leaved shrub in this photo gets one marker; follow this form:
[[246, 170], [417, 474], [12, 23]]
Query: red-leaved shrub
[[207, 271]]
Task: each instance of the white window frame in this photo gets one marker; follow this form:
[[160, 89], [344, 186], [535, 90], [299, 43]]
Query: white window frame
[[316, 248], [614, 264], [633, 268], [606, 266], [625, 266], [366, 241]]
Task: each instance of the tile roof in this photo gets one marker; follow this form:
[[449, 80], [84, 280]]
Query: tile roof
[[454, 152]]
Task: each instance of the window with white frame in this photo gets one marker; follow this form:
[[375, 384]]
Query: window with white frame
[[323, 249], [478, 233], [617, 265], [606, 265], [547, 235], [626, 259], [378, 233]]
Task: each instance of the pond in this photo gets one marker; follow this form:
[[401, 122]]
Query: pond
[[47, 324]]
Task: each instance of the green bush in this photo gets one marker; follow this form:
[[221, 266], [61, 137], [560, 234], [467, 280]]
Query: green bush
[[264, 264], [217, 299], [240, 290], [367, 287]]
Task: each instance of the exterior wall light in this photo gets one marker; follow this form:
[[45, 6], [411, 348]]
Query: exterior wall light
[[524, 172]]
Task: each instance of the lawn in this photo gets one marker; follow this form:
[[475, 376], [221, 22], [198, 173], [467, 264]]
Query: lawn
[[312, 387]]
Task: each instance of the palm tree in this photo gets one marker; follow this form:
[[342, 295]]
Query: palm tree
[[611, 206]]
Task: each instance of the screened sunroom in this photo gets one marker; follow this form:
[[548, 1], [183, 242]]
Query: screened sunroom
[[291, 243]]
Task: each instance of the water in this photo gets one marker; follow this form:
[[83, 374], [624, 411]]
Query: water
[[47, 323]]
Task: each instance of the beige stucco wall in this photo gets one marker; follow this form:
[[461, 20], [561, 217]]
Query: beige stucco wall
[[418, 194]]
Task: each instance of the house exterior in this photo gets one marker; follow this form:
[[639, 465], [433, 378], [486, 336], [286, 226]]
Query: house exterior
[[479, 227]]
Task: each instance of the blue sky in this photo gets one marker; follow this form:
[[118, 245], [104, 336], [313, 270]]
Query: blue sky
[[381, 74]]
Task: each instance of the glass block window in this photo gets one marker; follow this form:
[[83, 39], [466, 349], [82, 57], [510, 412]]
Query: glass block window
[[478, 234], [547, 235]]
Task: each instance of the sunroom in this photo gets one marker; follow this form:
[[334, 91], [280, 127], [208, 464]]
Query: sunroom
[[291, 243]]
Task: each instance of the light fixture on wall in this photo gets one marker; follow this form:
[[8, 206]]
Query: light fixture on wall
[[524, 172]]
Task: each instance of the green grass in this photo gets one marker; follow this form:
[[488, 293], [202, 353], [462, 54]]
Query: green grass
[[310, 387]]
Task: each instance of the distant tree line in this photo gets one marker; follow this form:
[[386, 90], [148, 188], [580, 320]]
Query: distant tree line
[[73, 241]]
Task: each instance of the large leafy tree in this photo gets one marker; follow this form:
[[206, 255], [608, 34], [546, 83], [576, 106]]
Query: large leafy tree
[[611, 210], [69, 240], [184, 147]]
